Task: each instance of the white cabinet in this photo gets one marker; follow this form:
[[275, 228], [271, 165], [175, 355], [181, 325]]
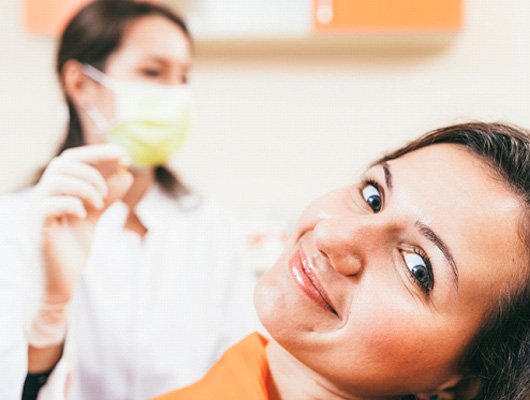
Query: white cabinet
[[246, 19]]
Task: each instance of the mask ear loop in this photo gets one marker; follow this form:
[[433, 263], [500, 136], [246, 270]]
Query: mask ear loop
[[98, 120], [97, 75], [102, 125]]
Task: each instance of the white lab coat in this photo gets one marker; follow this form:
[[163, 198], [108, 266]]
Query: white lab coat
[[150, 314]]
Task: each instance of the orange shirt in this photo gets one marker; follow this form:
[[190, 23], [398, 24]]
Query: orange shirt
[[240, 374]]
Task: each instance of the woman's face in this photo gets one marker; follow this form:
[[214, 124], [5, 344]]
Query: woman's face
[[153, 50], [387, 281]]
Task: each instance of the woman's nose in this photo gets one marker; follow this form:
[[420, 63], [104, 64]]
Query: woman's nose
[[175, 78], [349, 242]]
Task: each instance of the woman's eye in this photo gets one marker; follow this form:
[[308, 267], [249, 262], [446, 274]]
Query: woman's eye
[[151, 72], [372, 196], [420, 270]]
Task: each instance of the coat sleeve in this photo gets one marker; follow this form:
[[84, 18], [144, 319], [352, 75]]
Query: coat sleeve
[[13, 300], [20, 292]]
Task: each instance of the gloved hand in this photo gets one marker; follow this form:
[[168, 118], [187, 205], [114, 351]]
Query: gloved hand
[[75, 189]]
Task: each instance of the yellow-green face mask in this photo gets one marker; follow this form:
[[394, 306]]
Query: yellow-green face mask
[[151, 121]]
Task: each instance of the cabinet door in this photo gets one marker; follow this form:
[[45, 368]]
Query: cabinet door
[[387, 16]]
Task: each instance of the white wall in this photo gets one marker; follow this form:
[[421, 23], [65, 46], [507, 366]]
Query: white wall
[[273, 131]]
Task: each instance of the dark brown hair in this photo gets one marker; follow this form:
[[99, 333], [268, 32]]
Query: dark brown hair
[[499, 355], [92, 35]]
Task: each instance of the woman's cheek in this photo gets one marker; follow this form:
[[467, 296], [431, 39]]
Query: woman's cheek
[[385, 324]]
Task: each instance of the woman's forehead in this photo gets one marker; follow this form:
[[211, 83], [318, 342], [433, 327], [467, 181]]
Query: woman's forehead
[[156, 37]]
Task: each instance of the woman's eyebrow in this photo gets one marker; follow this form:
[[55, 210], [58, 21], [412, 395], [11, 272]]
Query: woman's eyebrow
[[426, 231], [155, 58], [388, 174]]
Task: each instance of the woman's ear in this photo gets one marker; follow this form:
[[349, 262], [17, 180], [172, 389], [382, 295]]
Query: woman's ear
[[77, 85], [461, 387], [468, 387]]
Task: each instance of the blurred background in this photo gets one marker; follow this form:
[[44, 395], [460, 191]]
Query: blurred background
[[290, 99]]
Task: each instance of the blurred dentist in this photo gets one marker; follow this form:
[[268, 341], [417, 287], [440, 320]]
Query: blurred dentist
[[137, 283]]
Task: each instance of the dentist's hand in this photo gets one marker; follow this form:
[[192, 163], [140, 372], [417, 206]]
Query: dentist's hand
[[75, 189]]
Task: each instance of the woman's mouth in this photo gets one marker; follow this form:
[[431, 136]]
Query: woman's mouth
[[308, 282]]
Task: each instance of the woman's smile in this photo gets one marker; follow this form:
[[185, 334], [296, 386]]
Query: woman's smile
[[305, 276]]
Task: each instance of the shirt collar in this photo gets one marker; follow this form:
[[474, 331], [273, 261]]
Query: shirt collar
[[154, 207]]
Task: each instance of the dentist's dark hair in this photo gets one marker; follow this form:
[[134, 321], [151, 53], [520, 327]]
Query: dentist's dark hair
[[499, 355], [92, 35]]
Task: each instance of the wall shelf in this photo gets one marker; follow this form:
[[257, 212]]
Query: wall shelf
[[343, 45]]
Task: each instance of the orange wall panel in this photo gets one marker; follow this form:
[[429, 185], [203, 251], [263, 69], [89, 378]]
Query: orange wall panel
[[387, 15], [49, 16]]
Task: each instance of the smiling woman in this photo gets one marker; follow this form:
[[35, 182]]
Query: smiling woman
[[413, 283]]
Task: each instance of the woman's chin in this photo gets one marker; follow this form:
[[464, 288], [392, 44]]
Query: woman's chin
[[265, 302], [284, 312], [272, 307]]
